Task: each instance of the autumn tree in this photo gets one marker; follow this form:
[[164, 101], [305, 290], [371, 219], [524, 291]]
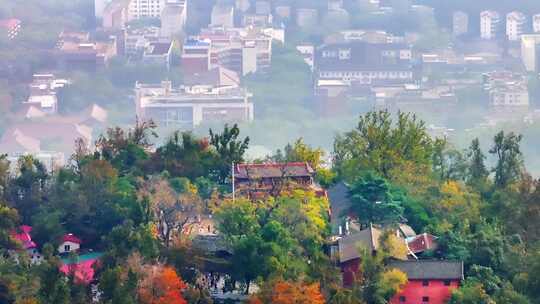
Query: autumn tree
[[173, 211], [161, 285], [287, 292]]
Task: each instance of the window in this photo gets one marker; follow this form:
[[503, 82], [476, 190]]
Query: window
[[446, 282], [402, 299], [67, 248], [425, 299], [425, 283]]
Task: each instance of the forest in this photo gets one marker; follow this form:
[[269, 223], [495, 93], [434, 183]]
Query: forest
[[133, 203]]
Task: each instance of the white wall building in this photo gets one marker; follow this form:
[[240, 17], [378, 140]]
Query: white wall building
[[536, 23], [530, 51], [489, 24], [99, 7], [515, 25], [460, 23], [145, 9]]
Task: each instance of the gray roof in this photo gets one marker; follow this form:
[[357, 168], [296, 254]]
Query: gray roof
[[349, 245], [430, 269], [217, 77]]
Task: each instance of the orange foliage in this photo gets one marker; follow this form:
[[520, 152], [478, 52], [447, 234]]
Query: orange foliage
[[283, 292], [162, 286]]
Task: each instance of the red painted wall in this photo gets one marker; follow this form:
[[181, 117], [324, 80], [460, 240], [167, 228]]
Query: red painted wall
[[349, 270], [437, 292]]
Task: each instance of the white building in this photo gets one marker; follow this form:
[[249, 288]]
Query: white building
[[242, 5], [145, 9], [515, 25], [536, 23], [460, 23], [173, 18], [43, 92], [507, 89], [211, 98], [489, 24], [222, 15], [530, 52], [70, 243]]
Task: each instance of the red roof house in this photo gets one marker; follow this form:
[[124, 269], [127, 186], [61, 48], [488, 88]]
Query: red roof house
[[22, 235], [69, 243], [422, 242]]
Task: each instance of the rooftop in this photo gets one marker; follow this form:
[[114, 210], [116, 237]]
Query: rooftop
[[159, 48], [9, 23], [349, 245], [430, 269], [273, 170]]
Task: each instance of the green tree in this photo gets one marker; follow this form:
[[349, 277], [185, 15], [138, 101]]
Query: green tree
[[477, 172], [373, 200], [509, 158], [230, 149]]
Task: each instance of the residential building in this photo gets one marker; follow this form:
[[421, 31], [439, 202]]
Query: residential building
[[69, 243], [259, 180], [196, 55], [516, 23], [52, 160], [308, 53], [145, 9], [507, 89], [77, 51], [530, 52], [428, 281], [158, 53], [256, 20], [173, 18], [306, 17], [115, 14], [489, 24], [369, 36], [243, 50], [138, 40], [10, 27], [460, 23], [22, 236], [365, 63], [192, 105], [536, 23], [222, 16], [43, 91]]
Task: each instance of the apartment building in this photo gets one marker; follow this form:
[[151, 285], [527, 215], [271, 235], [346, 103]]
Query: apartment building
[[516, 23], [460, 23], [530, 52], [536, 23], [145, 9], [490, 24]]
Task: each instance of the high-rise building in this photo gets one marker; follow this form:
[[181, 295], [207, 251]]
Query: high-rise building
[[530, 52], [489, 24], [173, 18], [99, 7], [222, 15], [536, 23], [145, 8], [515, 25], [460, 23]]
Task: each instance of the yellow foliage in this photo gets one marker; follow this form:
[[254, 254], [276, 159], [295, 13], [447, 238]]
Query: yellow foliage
[[394, 280]]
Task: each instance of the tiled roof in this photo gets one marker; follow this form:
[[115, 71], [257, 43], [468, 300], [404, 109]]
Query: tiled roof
[[218, 77], [274, 170], [349, 245], [421, 243], [430, 269]]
